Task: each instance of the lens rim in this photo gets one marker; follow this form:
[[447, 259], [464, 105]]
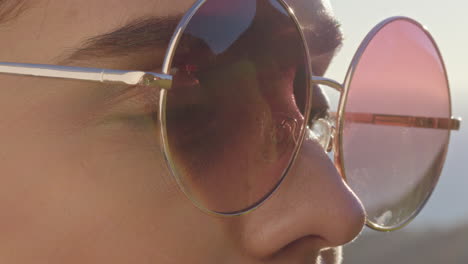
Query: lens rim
[[338, 141], [164, 142]]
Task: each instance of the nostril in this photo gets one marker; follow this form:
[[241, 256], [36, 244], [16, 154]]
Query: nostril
[[313, 209]]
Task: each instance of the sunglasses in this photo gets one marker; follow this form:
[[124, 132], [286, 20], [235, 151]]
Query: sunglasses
[[235, 106]]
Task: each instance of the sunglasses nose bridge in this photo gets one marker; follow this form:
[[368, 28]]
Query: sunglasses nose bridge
[[328, 82], [323, 129]]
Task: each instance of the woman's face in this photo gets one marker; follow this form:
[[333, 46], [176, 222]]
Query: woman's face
[[83, 180]]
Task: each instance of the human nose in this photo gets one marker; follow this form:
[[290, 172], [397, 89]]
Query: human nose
[[313, 209]]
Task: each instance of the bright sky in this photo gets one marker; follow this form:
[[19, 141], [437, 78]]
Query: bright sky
[[448, 23]]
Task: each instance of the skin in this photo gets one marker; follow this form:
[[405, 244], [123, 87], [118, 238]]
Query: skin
[[82, 183]]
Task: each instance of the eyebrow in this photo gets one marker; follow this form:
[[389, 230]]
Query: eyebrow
[[139, 36], [151, 33]]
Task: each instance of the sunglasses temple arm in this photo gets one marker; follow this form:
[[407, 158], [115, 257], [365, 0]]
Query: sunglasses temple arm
[[404, 121], [147, 79], [391, 120]]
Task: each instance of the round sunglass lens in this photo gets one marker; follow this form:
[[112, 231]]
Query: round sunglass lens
[[395, 125], [233, 121]]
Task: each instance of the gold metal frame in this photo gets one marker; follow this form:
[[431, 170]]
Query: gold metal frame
[[162, 112], [382, 119], [164, 82], [163, 101]]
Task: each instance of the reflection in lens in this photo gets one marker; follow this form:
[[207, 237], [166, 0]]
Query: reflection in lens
[[233, 124], [394, 140]]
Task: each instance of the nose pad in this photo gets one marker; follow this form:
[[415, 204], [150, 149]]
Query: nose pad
[[322, 131]]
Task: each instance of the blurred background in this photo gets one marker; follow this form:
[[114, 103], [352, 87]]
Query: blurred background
[[440, 233]]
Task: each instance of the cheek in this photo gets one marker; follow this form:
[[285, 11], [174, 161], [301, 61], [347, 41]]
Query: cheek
[[100, 194], [91, 193], [72, 191]]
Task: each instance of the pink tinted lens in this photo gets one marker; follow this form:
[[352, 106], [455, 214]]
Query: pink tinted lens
[[395, 127]]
